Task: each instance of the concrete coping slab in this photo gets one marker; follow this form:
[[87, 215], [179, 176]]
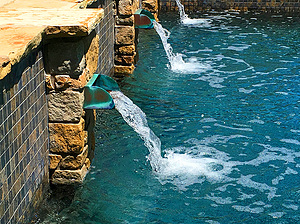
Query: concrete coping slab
[[23, 24]]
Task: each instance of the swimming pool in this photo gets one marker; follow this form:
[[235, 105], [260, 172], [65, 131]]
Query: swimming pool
[[229, 114]]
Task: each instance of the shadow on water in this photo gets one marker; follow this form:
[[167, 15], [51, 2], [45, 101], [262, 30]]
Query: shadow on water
[[57, 199]]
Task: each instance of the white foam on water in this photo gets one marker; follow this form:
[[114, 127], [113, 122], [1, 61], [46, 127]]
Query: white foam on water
[[256, 121], [196, 22], [247, 208], [243, 90], [177, 64], [291, 141], [232, 128], [200, 161], [239, 47], [277, 215], [247, 182], [180, 166], [184, 169], [291, 206]]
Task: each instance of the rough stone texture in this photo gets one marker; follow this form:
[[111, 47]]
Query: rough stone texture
[[64, 58], [92, 55], [50, 82], [125, 7], [121, 69], [135, 5], [74, 162], [125, 20], [65, 82], [124, 35], [150, 5], [65, 106], [69, 176], [87, 163], [126, 50], [67, 138], [124, 59], [54, 160]]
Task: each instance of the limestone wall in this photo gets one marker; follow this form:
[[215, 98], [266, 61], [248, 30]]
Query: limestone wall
[[69, 64], [272, 6]]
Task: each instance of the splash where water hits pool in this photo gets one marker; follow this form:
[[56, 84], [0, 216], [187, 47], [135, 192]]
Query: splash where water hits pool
[[229, 129]]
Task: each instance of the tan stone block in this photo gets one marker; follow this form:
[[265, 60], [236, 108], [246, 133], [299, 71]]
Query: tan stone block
[[85, 133], [150, 5], [68, 177], [54, 160], [87, 163], [74, 162], [78, 84], [65, 82], [66, 106], [92, 54], [135, 5], [124, 35], [126, 50], [50, 82], [124, 20], [66, 138], [60, 82], [124, 59], [125, 70], [125, 7]]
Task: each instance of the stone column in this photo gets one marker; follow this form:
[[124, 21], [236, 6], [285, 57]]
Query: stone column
[[125, 36], [69, 64]]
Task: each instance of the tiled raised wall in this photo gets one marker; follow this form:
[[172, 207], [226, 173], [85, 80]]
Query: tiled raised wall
[[244, 5], [105, 30], [23, 138]]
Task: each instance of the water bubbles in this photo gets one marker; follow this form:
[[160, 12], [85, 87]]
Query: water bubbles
[[203, 23]]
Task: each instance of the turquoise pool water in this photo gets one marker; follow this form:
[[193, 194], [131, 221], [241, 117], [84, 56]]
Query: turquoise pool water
[[230, 114]]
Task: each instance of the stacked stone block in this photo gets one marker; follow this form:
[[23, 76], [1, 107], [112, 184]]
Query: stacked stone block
[[70, 63], [126, 36]]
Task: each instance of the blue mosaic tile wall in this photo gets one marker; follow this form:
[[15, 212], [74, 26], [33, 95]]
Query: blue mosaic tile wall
[[105, 30], [272, 6], [23, 138]]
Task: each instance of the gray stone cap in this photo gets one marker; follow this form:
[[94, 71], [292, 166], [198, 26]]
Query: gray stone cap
[[24, 23]]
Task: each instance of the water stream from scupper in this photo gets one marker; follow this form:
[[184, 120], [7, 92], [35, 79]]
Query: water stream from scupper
[[185, 20]]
